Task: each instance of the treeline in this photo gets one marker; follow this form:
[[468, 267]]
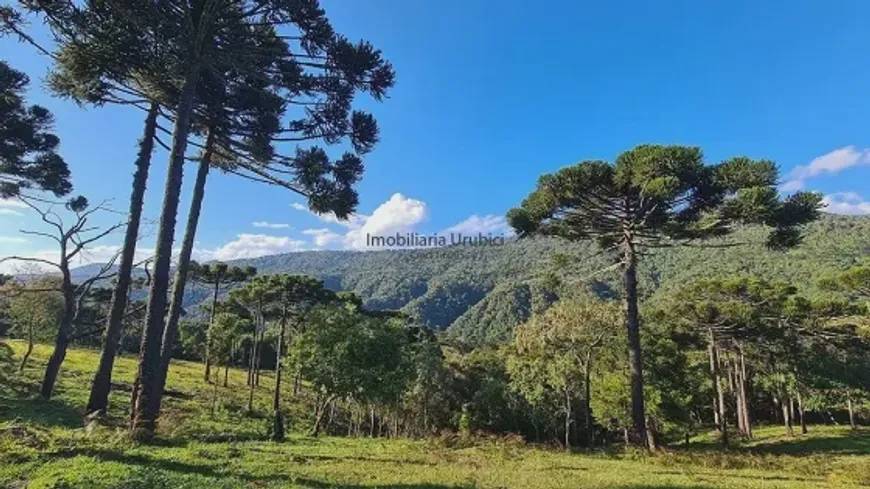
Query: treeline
[[724, 354]]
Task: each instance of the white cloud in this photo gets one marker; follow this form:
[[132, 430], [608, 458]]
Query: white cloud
[[398, 215], [12, 240], [252, 246], [353, 221], [17, 204], [833, 162], [846, 203], [270, 225], [488, 224], [322, 237]]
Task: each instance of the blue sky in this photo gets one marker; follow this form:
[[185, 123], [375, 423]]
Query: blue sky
[[490, 95]]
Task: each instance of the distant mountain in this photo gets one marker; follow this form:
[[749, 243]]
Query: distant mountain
[[479, 294]]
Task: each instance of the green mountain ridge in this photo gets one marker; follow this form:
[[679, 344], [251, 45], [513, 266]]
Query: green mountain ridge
[[478, 294]]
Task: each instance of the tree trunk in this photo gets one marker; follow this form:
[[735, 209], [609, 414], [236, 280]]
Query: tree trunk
[[148, 399], [61, 340], [744, 398], [250, 361], [321, 411], [734, 376], [652, 434], [786, 416], [587, 411], [175, 306], [296, 381], [717, 385], [29, 350], [226, 373], [214, 298], [251, 385], [715, 392], [372, 425], [258, 359], [278, 429], [635, 358], [567, 419], [98, 401], [800, 402], [851, 413]]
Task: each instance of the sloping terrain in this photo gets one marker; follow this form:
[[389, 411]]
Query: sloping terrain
[[480, 293]]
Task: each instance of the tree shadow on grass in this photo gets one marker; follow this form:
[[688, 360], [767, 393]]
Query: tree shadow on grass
[[178, 467], [19, 399], [663, 486], [841, 443], [316, 484], [39, 411], [847, 443]]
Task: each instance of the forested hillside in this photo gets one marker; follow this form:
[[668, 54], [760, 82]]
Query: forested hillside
[[480, 294]]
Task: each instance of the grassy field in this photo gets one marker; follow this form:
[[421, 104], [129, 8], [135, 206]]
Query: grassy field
[[44, 445]]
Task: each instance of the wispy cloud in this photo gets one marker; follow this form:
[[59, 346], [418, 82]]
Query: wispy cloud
[[830, 163], [322, 237], [12, 240], [12, 203], [8, 207], [353, 221], [488, 224], [270, 225], [846, 203]]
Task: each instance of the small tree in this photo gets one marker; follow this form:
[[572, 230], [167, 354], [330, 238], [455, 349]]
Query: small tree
[[72, 239], [291, 298], [35, 310], [346, 354], [653, 197], [554, 354], [217, 275], [226, 332]]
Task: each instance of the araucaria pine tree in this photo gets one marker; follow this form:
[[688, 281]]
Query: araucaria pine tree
[[28, 156], [659, 196], [216, 275]]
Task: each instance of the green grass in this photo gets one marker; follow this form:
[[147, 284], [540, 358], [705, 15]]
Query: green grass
[[44, 445]]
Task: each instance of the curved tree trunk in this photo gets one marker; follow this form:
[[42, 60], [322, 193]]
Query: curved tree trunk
[[61, 340], [29, 349], [102, 384], [180, 281], [635, 358], [149, 392]]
